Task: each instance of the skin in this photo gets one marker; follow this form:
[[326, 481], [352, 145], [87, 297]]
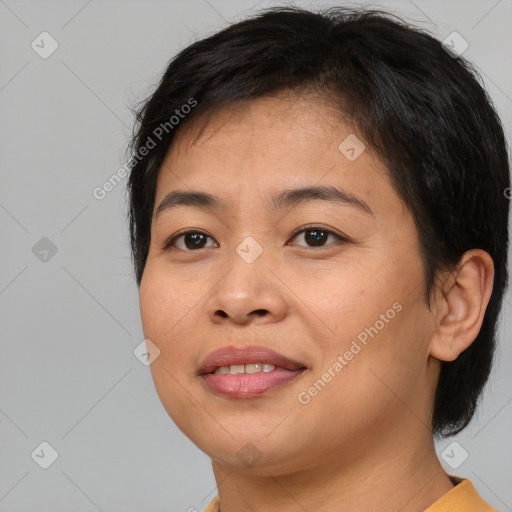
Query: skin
[[363, 443]]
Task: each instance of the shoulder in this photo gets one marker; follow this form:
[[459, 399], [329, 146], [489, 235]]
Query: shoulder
[[462, 498], [213, 506]]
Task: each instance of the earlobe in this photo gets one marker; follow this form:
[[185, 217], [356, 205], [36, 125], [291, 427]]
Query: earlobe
[[461, 303]]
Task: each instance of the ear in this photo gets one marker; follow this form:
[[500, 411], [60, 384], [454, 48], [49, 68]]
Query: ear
[[461, 302]]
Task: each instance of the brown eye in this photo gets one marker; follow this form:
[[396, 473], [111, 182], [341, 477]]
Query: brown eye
[[316, 236], [191, 240]]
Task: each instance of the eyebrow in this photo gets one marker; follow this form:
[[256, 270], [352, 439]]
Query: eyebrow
[[284, 199]]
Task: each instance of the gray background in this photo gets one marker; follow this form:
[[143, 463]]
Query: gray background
[[70, 320]]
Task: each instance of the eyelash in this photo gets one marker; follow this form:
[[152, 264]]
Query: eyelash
[[168, 245]]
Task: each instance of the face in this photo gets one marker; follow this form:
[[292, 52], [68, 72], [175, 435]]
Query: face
[[332, 284]]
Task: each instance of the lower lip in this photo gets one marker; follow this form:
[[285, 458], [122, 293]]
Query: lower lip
[[248, 385]]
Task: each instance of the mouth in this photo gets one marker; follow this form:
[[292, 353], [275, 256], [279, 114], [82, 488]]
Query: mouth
[[248, 372]]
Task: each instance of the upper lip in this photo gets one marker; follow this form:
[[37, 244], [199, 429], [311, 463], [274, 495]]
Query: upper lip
[[253, 354]]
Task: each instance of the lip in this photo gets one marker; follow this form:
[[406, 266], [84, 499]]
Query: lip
[[254, 354], [248, 385]]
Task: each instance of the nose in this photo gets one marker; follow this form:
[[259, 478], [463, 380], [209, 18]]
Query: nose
[[248, 292]]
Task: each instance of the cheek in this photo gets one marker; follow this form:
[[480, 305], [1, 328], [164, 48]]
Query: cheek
[[152, 302], [166, 319], [372, 381], [380, 331], [163, 298], [166, 308], [346, 304]]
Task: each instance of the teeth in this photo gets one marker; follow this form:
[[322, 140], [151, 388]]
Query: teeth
[[253, 368], [235, 369]]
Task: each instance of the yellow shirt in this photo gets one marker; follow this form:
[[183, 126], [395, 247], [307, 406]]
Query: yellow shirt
[[462, 498]]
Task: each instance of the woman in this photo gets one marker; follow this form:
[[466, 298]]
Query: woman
[[318, 214]]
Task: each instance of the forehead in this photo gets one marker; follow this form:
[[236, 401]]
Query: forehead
[[248, 150], [295, 117]]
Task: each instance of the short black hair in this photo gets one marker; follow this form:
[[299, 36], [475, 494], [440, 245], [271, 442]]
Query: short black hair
[[425, 113]]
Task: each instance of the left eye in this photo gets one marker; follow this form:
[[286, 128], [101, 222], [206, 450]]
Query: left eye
[[192, 240], [316, 236]]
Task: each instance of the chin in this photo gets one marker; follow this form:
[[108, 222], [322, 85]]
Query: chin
[[275, 454]]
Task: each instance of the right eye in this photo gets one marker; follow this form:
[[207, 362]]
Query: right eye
[[192, 240]]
